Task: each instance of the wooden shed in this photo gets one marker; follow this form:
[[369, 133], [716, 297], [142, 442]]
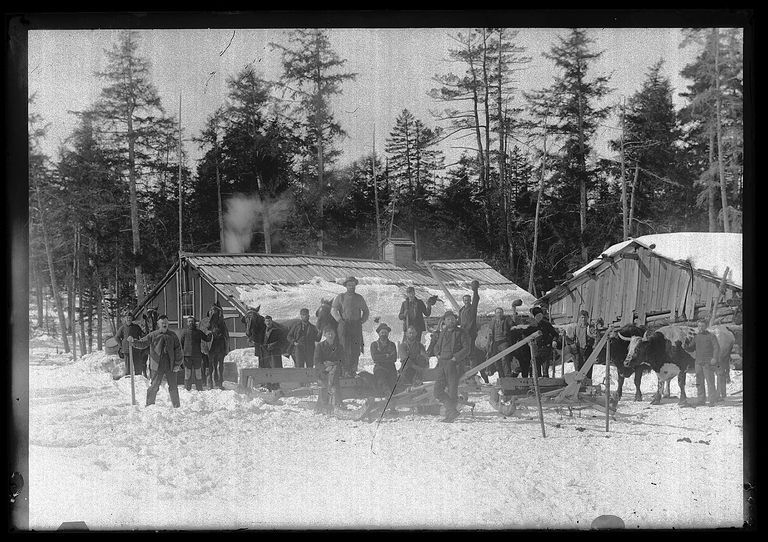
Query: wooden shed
[[654, 279], [196, 281]]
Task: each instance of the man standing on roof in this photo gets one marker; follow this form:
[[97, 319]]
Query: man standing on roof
[[352, 312], [451, 349], [413, 310], [165, 358], [468, 314]]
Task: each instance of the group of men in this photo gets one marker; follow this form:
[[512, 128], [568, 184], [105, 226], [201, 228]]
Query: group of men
[[161, 353]]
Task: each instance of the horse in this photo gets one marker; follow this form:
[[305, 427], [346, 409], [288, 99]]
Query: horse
[[219, 343], [324, 316]]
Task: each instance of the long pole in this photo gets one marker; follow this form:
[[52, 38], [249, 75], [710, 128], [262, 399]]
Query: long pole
[[445, 290], [538, 206], [624, 221], [181, 247], [562, 357], [376, 197], [536, 389], [607, 382], [133, 389]]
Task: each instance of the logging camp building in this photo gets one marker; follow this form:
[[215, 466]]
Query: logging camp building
[[290, 281], [654, 280]]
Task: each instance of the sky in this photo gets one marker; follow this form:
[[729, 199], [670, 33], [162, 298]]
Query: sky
[[395, 68]]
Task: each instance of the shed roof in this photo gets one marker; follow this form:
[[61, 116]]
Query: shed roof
[[709, 254], [228, 272]]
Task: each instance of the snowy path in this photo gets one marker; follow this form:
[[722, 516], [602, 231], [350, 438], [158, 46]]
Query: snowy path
[[225, 461]]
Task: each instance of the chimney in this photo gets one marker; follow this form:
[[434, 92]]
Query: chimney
[[399, 251]]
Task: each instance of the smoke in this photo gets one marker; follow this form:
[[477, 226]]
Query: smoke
[[245, 216]]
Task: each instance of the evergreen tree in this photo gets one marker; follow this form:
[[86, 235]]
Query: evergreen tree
[[132, 114], [574, 111], [312, 76]]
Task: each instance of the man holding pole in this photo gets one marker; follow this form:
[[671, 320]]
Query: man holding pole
[[352, 312], [130, 329], [452, 348], [165, 359]]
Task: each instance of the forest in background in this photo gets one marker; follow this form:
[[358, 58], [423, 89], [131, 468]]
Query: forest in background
[[530, 194]]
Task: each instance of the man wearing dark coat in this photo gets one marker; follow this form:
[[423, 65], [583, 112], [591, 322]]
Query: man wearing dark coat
[[384, 356], [413, 357], [498, 341], [352, 312], [451, 349], [219, 344], [272, 348], [543, 343], [413, 310], [165, 359], [468, 312], [191, 340], [131, 329], [301, 340]]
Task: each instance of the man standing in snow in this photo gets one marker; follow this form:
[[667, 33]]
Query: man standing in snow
[[498, 340], [165, 359], [301, 340], [191, 339], [583, 338], [352, 312], [384, 355], [543, 343], [468, 313], [413, 310], [707, 355], [131, 329], [272, 348], [329, 361], [451, 349]]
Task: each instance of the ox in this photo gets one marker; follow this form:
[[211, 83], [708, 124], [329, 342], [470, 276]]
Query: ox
[[619, 346], [662, 351]]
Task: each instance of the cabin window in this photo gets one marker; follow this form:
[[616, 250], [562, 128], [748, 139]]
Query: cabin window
[[187, 303]]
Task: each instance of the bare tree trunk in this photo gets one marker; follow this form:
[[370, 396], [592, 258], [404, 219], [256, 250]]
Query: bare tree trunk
[[99, 315], [38, 295], [90, 320], [267, 226], [719, 127], [711, 191], [624, 216], [538, 210], [478, 137], [486, 106], [582, 183], [49, 257], [632, 199], [218, 195], [134, 210], [72, 324]]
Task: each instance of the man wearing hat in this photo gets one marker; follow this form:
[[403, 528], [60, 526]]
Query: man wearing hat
[[413, 310], [384, 355], [272, 348], [165, 358], [131, 329], [543, 343], [583, 339], [351, 310], [191, 340], [301, 340], [452, 348]]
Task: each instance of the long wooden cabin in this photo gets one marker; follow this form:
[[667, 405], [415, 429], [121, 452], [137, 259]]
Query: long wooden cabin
[[196, 281], [653, 280]]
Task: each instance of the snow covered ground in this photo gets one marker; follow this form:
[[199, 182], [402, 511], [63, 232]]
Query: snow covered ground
[[224, 461]]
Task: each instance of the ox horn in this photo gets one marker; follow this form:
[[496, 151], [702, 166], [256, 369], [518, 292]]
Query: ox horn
[[622, 337]]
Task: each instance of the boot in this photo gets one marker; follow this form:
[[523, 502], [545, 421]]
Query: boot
[[199, 384], [188, 384]]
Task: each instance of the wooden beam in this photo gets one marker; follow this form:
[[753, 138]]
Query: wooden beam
[[630, 256]]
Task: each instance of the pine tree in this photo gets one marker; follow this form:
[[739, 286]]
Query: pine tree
[[312, 76], [573, 103], [131, 111]]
